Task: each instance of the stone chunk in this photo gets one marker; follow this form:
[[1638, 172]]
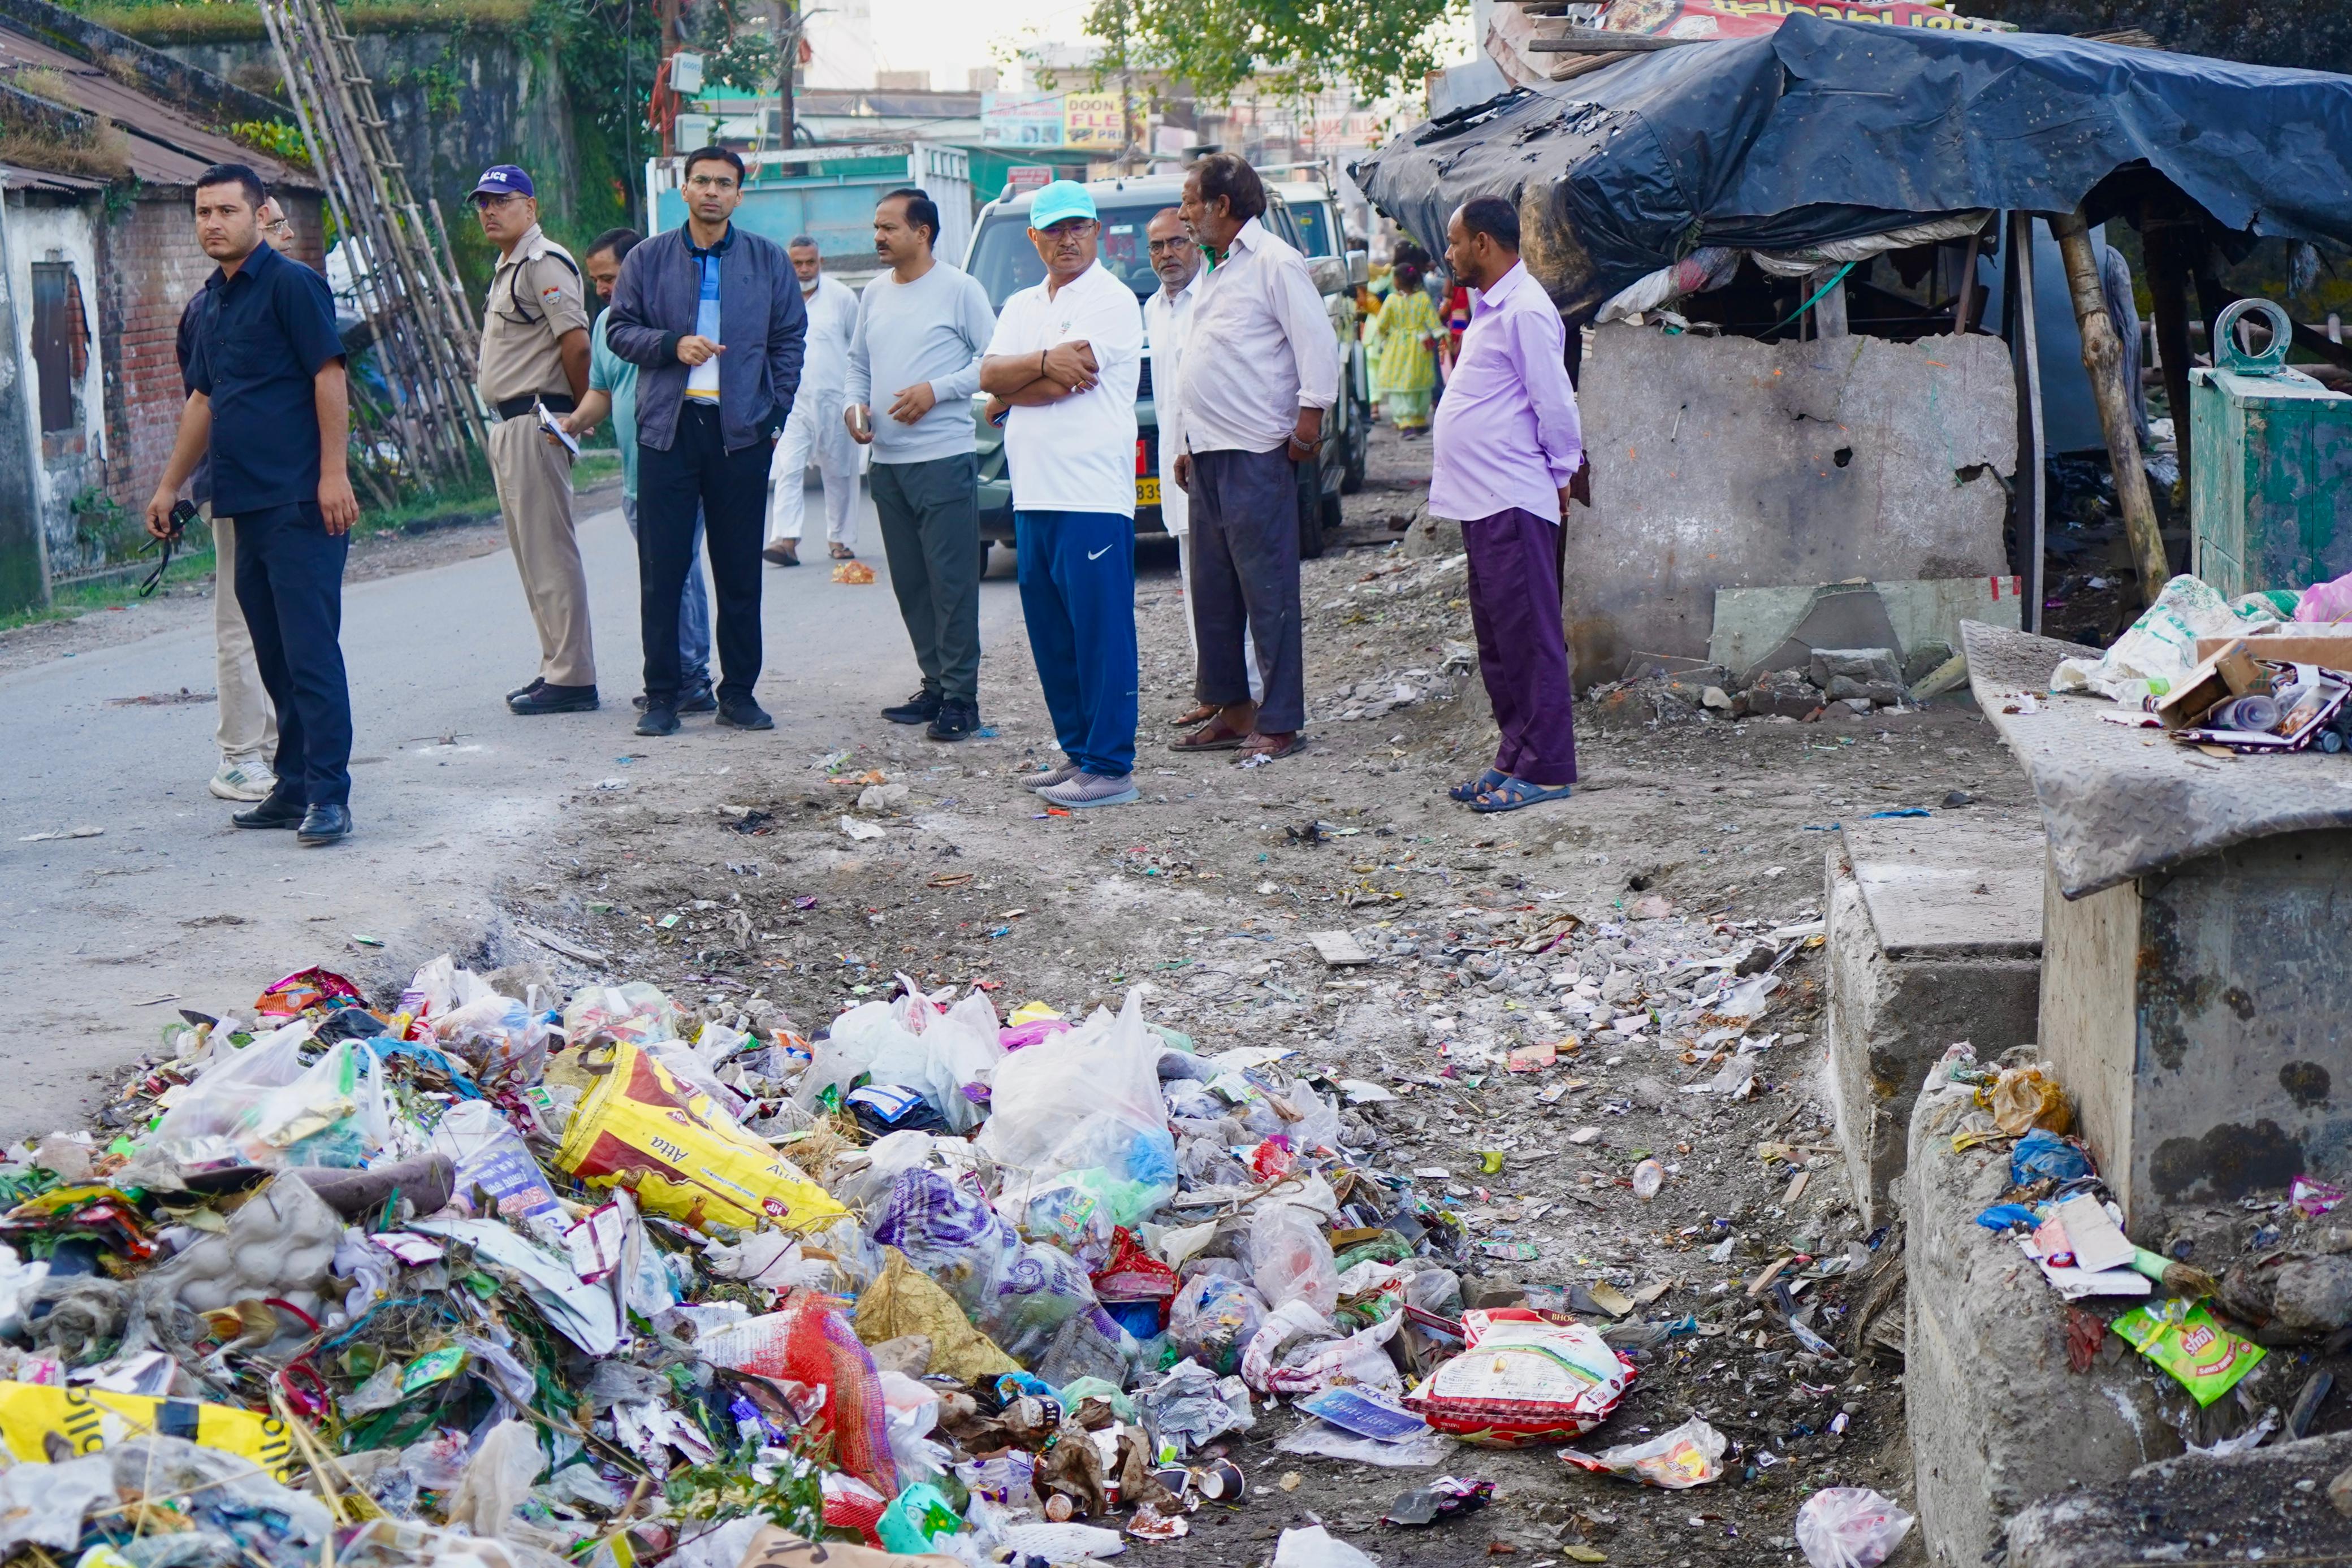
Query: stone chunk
[[1866, 665]]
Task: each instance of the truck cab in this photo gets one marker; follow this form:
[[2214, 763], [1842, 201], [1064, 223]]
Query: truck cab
[[1004, 262]]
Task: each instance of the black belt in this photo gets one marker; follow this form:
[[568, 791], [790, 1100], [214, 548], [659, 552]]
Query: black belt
[[516, 407]]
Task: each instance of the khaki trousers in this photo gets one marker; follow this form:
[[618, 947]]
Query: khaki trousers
[[534, 480], [249, 725]]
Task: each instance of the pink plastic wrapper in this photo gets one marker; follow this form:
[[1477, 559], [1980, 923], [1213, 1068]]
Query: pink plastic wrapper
[[2326, 603]]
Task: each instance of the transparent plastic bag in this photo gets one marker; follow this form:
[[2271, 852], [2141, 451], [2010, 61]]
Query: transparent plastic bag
[[231, 1086], [1089, 1100], [1291, 1260], [1213, 1318], [502, 1040], [1018, 1293], [638, 1013], [1850, 1527], [912, 1044]]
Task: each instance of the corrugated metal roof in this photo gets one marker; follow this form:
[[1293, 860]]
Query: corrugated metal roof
[[166, 146], [15, 179]]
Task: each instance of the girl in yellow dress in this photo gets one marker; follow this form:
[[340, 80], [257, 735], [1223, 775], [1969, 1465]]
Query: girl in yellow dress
[[1406, 365]]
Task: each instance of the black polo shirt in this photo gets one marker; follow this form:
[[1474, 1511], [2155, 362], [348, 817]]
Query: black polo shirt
[[262, 335]]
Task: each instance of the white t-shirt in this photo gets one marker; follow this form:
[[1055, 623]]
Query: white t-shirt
[[1077, 455]]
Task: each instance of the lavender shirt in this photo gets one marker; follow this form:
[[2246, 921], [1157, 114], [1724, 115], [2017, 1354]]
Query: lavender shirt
[[1506, 434]]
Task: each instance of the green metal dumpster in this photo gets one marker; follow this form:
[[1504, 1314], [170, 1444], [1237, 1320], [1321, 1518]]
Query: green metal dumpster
[[2271, 463]]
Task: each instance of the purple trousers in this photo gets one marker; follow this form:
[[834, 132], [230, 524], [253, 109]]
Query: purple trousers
[[1517, 560]]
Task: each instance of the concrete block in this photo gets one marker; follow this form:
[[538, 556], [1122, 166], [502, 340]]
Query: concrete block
[[2268, 1505], [1752, 623], [1998, 1421], [1726, 463], [2197, 1016], [1863, 666], [1933, 931]]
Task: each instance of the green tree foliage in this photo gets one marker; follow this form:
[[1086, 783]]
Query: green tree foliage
[[1294, 48]]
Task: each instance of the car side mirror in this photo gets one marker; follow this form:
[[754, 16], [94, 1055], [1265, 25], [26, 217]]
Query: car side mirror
[[1331, 274], [1360, 268]]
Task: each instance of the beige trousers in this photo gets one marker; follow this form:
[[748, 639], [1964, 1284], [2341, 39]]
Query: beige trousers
[[534, 480], [249, 725]]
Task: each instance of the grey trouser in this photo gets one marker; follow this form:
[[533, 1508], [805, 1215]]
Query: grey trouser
[[931, 535], [1244, 559]]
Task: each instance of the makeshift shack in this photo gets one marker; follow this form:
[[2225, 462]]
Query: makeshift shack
[[1779, 246]]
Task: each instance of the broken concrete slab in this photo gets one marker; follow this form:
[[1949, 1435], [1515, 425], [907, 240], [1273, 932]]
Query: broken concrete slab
[[1725, 462], [1934, 931], [1998, 1419], [1753, 624], [2269, 1505]]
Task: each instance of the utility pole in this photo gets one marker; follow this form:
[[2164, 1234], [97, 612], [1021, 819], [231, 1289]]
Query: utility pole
[[788, 45], [1126, 148]]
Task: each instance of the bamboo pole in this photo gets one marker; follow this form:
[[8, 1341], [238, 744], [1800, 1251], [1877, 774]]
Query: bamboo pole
[[2102, 356]]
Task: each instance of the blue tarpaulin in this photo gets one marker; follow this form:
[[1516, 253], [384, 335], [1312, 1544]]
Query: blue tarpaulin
[[1827, 130]]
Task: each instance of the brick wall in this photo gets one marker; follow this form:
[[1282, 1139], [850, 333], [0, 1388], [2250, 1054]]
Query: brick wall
[[150, 269]]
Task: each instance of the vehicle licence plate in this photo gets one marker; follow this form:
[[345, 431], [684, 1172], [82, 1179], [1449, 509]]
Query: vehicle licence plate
[[1146, 492]]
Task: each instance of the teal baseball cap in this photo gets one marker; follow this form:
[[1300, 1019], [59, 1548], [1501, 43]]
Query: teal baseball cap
[[1058, 202]]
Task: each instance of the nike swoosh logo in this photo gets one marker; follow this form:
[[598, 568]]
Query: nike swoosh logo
[[1097, 555]]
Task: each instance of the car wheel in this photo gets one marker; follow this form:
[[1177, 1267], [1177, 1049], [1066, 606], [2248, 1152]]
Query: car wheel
[[983, 558], [1359, 438]]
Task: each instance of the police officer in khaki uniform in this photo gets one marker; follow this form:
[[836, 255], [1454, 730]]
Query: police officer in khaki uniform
[[535, 357]]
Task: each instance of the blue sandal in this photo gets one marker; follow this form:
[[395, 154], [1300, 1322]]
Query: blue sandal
[[1467, 792], [1512, 793]]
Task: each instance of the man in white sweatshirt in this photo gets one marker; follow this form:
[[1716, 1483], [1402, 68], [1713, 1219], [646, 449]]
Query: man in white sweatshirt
[[921, 328], [813, 432]]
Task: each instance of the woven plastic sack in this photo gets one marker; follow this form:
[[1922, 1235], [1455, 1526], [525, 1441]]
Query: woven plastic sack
[[1523, 1377], [1019, 1294], [2161, 648], [807, 1342]]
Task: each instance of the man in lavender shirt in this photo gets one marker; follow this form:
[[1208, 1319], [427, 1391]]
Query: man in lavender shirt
[[1508, 449]]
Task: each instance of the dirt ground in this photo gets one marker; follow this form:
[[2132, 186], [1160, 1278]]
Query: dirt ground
[[1587, 922]]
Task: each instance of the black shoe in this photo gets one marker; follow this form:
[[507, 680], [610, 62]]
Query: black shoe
[[660, 718], [554, 699], [744, 713], [957, 720], [536, 682], [275, 812], [325, 825], [699, 701], [921, 708]]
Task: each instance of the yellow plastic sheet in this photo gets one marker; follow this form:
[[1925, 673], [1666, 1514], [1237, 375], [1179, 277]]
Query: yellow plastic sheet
[[904, 1300], [638, 1128], [88, 1419]]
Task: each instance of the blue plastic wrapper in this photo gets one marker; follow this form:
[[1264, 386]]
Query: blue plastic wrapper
[[2041, 1154], [2006, 1217]]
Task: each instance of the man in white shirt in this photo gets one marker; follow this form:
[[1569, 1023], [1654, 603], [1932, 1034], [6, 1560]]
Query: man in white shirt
[[1264, 370], [1060, 373], [815, 432]]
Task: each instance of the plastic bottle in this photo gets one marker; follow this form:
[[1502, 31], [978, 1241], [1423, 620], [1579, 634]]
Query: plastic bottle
[[1648, 1177]]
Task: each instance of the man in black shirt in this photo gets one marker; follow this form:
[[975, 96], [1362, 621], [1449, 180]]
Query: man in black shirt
[[270, 403]]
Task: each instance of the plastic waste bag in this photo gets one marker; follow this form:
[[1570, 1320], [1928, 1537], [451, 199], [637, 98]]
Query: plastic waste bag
[[2326, 603], [1291, 1260], [904, 1300], [808, 1342], [1691, 1455], [1089, 1100], [1019, 1294], [1850, 1527], [1214, 1318], [229, 1088], [498, 1479], [2041, 1154], [491, 1157], [2161, 648], [1537, 1377], [1316, 1547], [1190, 1405], [2023, 1098], [503, 1040], [939, 1054], [637, 1013]]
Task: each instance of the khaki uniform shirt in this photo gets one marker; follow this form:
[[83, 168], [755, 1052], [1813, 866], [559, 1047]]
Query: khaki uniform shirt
[[535, 298]]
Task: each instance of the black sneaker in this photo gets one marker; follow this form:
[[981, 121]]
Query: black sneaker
[[659, 720], [744, 713], [699, 700], [956, 721], [548, 700], [921, 708]]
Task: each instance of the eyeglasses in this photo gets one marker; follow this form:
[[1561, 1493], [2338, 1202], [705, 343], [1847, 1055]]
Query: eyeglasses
[[484, 202], [1182, 242], [712, 182]]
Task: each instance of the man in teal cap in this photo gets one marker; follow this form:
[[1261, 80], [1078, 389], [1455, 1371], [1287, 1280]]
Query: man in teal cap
[[1060, 373]]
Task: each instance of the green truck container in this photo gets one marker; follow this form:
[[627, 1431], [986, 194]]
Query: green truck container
[[2270, 500]]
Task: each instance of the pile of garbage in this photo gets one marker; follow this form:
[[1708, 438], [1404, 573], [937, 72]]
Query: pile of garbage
[[481, 1279]]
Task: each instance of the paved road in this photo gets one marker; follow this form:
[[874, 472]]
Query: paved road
[[448, 792]]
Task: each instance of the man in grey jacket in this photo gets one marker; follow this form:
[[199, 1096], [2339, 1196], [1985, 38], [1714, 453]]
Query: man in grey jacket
[[712, 317]]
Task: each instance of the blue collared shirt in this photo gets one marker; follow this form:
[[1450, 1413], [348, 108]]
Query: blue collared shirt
[[261, 340]]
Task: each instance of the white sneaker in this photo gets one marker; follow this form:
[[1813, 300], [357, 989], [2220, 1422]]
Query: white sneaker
[[243, 781], [1085, 790], [1050, 776]]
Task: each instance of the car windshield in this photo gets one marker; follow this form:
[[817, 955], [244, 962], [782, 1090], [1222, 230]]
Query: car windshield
[[1314, 220], [1006, 262]]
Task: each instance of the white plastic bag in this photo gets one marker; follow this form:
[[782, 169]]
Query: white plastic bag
[[232, 1084], [1291, 1260], [936, 1053], [1316, 1547], [1089, 1101], [497, 1480], [2161, 648], [1850, 1527]]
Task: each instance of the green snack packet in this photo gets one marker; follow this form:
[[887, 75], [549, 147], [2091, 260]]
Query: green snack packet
[[2181, 1337]]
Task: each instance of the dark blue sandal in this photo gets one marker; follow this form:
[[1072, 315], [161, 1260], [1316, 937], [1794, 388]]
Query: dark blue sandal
[[1465, 793], [1512, 793]]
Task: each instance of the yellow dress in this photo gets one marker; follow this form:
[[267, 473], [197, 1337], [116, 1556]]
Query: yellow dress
[[1406, 366]]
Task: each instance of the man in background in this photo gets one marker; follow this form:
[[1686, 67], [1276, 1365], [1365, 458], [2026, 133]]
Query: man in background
[[272, 405], [1508, 449], [921, 328], [1261, 324], [1062, 368], [712, 316], [247, 731], [534, 367], [612, 391], [815, 432]]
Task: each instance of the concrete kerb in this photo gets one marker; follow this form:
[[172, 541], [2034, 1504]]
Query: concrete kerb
[[1997, 1419], [2272, 1503]]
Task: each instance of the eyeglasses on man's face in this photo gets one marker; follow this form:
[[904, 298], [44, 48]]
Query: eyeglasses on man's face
[[712, 182], [485, 201], [1182, 242]]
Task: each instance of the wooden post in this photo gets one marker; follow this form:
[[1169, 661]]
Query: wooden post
[[2025, 360], [1965, 306], [2102, 356]]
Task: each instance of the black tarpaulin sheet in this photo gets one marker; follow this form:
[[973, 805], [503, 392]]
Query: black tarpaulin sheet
[[1825, 130]]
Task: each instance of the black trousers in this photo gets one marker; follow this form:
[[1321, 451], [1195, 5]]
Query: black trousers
[[698, 475], [930, 534], [1246, 570], [290, 583]]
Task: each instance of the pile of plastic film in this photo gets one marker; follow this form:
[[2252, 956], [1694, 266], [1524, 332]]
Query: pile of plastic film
[[482, 1280]]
